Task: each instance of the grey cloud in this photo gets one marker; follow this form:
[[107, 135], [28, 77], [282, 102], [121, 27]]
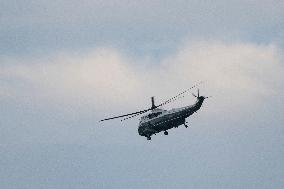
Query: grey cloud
[[148, 27]]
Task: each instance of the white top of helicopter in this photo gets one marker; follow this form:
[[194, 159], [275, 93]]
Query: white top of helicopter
[[160, 112], [155, 113]]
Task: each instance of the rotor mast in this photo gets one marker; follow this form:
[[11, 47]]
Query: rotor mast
[[153, 103]]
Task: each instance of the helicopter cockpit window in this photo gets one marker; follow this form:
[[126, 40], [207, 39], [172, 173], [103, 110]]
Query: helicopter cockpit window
[[150, 116]]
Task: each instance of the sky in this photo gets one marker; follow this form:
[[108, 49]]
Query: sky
[[65, 65]]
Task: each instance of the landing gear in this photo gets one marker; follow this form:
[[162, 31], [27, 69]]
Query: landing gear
[[185, 125], [166, 133], [148, 138]]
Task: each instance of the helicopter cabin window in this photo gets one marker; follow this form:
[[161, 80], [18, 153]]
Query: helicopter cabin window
[[150, 116]]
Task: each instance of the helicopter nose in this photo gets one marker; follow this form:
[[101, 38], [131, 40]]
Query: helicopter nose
[[140, 131]]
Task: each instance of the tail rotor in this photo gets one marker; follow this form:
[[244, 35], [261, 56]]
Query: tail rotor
[[198, 96]]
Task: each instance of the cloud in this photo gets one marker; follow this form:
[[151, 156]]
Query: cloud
[[106, 79], [142, 27]]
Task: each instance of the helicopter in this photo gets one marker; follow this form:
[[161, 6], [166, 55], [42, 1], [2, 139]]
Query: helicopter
[[159, 120]]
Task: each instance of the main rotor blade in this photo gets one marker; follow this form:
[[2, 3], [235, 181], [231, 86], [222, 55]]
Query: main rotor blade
[[143, 111], [175, 97], [134, 115], [139, 112]]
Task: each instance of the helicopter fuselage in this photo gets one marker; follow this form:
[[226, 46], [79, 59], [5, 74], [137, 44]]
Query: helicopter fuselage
[[162, 120]]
